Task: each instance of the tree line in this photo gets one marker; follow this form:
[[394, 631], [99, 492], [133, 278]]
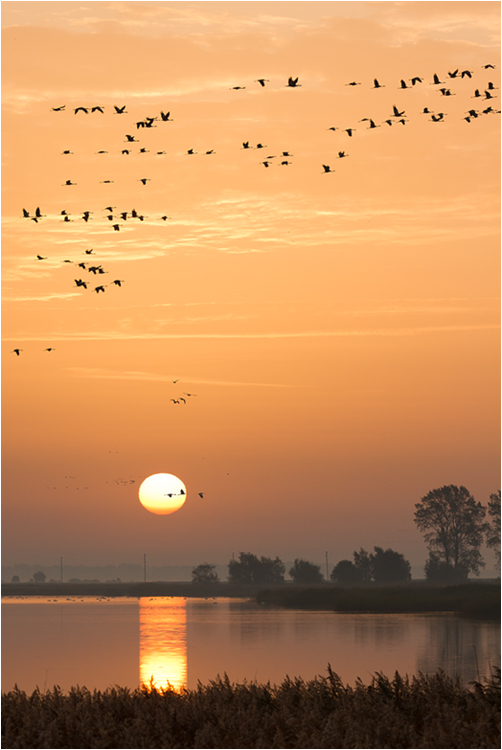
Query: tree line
[[454, 526]]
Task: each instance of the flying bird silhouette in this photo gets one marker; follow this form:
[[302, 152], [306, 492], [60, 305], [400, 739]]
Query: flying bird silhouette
[[293, 82], [16, 351]]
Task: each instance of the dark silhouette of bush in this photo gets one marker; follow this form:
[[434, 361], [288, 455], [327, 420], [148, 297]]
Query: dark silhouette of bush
[[251, 569], [380, 567], [39, 577], [439, 571], [304, 571], [204, 573], [346, 573], [388, 566], [493, 527]]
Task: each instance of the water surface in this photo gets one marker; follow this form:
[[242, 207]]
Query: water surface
[[99, 642]]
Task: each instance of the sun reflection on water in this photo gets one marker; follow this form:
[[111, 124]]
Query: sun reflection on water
[[163, 643]]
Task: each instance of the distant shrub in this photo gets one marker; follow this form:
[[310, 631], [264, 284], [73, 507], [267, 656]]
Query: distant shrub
[[204, 574], [346, 573], [439, 571], [251, 569], [304, 571]]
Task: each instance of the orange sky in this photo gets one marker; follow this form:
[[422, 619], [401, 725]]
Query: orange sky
[[340, 330]]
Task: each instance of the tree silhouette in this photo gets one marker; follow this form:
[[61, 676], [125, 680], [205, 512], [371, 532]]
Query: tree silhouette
[[250, 569], [304, 571], [39, 577], [453, 526], [204, 574], [362, 561], [493, 527], [346, 573], [388, 566]]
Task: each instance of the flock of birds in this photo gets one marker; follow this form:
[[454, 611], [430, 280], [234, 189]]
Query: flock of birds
[[483, 95], [116, 219], [398, 116]]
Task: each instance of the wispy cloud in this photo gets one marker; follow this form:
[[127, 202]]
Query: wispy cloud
[[101, 373], [114, 335]]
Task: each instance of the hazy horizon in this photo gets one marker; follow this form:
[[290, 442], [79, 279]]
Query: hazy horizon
[[310, 350]]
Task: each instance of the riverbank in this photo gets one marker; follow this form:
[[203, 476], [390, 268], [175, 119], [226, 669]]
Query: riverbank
[[422, 711], [471, 599], [474, 599]]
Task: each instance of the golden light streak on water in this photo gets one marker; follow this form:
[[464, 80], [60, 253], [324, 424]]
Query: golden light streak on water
[[163, 642]]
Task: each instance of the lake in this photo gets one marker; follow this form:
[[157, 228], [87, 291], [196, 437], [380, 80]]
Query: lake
[[99, 642]]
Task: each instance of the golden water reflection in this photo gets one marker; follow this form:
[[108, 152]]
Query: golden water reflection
[[163, 642]]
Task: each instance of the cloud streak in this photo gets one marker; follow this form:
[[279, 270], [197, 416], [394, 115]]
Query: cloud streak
[[345, 333]]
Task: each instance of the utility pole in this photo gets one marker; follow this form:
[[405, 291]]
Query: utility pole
[[327, 569], [144, 567], [61, 570]]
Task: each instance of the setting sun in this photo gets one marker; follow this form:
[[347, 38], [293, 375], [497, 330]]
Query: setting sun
[[162, 494]]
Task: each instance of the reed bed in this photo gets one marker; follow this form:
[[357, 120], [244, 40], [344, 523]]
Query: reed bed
[[422, 711], [479, 600]]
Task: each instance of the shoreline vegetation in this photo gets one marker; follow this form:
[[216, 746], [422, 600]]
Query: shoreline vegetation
[[429, 711], [473, 599]]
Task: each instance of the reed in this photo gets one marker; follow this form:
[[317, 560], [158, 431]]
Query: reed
[[422, 711], [481, 600]]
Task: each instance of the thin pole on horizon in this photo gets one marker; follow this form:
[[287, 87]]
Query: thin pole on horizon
[[61, 570], [144, 567], [327, 569]]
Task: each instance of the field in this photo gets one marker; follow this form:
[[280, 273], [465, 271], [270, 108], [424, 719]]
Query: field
[[418, 712]]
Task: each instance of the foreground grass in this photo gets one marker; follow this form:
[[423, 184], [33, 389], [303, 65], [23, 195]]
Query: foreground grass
[[418, 712]]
